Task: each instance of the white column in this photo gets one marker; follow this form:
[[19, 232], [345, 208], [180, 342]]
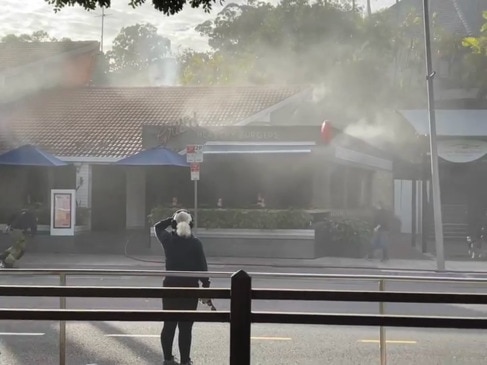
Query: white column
[[402, 204], [136, 215], [83, 183]]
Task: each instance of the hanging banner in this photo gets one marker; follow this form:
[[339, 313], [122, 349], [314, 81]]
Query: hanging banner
[[63, 212], [462, 150]]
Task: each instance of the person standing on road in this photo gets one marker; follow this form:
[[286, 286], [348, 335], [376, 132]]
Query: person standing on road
[[17, 227], [380, 236], [184, 252]]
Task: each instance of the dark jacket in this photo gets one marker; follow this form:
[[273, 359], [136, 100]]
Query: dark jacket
[[24, 220], [182, 254], [382, 219]]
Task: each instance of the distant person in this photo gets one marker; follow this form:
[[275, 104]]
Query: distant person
[[219, 203], [184, 252], [174, 202], [17, 226], [260, 201], [381, 232]]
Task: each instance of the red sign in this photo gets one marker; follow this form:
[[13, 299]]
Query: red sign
[[195, 171], [326, 131], [194, 153]]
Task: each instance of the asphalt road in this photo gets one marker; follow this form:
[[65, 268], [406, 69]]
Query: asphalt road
[[114, 343]]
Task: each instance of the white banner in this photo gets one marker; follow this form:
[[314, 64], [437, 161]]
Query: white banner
[[462, 150]]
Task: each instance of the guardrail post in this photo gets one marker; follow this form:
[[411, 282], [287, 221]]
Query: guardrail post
[[240, 318], [62, 324], [382, 330]]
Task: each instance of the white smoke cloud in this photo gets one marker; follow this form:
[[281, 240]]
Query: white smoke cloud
[[377, 133], [320, 92]]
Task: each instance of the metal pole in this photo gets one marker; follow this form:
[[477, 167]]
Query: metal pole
[[240, 318], [195, 227], [424, 215], [62, 324], [382, 330], [435, 179], [414, 210], [102, 27]]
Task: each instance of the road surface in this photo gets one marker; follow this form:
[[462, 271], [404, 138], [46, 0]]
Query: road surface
[[115, 343]]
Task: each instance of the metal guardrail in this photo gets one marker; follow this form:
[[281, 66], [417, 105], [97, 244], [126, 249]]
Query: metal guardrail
[[241, 295]]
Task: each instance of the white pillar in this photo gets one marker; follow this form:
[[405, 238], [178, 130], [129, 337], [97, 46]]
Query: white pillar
[[84, 185], [136, 214]]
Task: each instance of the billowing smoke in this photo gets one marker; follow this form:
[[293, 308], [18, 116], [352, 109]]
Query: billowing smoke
[[375, 132], [164, 72]]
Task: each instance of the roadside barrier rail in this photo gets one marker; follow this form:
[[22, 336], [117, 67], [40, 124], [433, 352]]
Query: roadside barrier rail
[[241, 295]]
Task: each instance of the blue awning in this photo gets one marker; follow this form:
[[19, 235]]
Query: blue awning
[[29, 155], [219, 148], [449, 123], [157, 156]]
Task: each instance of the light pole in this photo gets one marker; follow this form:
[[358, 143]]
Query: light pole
[[435, 179]]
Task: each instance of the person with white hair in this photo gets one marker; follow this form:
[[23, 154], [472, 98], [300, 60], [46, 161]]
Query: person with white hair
[[184, 252]]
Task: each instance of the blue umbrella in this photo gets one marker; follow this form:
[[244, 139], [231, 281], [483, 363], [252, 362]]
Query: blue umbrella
[[156, 156], [29, 155]]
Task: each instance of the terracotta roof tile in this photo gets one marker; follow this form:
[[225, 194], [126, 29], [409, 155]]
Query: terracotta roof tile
[[107, 122], [14, 54]]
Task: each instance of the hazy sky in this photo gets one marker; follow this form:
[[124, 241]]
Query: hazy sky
[[30, 15]]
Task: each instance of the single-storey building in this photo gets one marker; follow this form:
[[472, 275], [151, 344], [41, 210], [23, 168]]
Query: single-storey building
[[244, 127]]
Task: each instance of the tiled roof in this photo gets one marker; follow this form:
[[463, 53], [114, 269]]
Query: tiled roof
[[461, 17], [107, 122], [14, 54]]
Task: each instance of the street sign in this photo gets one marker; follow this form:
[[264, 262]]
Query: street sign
[[194, 153], [195, 171]]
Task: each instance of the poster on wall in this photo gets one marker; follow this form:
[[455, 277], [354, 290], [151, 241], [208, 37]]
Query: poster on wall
[[63, 212]]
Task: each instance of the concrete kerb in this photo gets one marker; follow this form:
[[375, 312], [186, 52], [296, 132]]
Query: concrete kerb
[[113, 261]]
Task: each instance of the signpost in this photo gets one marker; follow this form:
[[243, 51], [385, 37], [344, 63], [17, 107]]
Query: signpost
[[194, 156], [435, 179], [194, 153]]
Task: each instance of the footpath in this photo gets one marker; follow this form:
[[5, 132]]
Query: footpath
[[156, 262]]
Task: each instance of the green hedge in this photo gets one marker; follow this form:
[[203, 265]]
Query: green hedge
[[352, 231], [243, 218], [344, 237]]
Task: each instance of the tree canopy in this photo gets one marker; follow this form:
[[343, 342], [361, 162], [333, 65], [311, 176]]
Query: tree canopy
[[476, 60], [37, 36], [362, 64], [137, 47], [306, 42], [168, 7]]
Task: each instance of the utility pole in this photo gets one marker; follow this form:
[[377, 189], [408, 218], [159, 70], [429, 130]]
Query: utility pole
[[369, 8], [103, 15], [435, 179]]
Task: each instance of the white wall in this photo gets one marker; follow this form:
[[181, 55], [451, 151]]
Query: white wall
[[136, 215], [383, 188], [83, 195], [403, 204]]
